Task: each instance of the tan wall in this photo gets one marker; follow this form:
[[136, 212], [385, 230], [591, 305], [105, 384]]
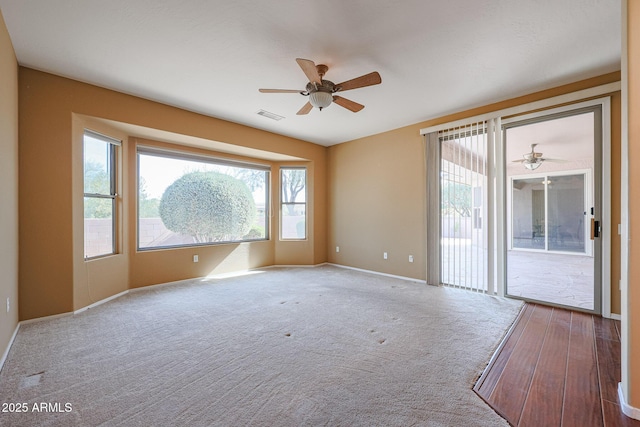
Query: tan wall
[[633, 291], [377, 188], [53, 276], [8, 187]]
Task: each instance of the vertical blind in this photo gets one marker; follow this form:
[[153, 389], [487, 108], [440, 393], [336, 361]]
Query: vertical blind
[[457, 220]]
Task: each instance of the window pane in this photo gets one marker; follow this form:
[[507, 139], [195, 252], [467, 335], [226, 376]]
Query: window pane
[[566, 209], [294, 221], [293, 195], [98, 161], [528, 213], [97, 166], [294, 182], [98, 227], [188, 202]]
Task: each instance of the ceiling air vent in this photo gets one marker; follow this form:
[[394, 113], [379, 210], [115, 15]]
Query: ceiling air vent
[[270, 115]]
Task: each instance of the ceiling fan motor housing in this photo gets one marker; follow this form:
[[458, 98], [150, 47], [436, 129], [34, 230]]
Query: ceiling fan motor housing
[[324, 86]]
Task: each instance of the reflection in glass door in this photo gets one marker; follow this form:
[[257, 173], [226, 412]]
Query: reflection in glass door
[[566, 210], [552, 186], [528, 214], [548, 213]]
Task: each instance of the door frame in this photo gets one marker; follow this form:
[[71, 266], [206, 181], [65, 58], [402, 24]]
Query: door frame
[[602, 305]]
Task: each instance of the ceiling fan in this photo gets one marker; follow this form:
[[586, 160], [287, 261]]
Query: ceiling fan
[[321, 92], [533, 159]]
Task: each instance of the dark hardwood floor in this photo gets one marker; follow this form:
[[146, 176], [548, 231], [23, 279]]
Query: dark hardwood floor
[[557, 368]]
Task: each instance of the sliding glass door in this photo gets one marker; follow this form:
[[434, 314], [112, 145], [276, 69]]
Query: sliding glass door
[[553, 177], [514, 206]]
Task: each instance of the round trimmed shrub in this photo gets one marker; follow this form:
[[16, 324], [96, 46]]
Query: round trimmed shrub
[[209, 206]]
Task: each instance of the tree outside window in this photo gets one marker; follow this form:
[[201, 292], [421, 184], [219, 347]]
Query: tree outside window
[[187, 200], [293, 184]]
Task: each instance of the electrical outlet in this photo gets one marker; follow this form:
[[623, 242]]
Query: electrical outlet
[[8, 304], [195, 258], [384, 255], [410, 258], [337, 248]]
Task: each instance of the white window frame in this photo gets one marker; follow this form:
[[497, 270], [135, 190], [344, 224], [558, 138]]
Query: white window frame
[[183, 155], [284, 204], [114, 144], [588, 250]]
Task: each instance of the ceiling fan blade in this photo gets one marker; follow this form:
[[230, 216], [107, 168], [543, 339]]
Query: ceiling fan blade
[[518, 161], [310, 70], [553, 160], [278, 91], [305, 109], [348, 104], [362, 81]]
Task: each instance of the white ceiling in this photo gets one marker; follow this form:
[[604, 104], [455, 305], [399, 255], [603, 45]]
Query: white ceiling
[[210, 56]]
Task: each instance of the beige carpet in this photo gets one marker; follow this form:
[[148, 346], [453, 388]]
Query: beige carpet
[[285, 347]]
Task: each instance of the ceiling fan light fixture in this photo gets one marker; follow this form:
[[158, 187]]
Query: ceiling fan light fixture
[[532, 165], [320, 99]]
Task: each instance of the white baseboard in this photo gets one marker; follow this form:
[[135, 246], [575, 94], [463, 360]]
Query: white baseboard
[[627, 409], [102, 301], [71, 313], [409, 279], [294, 266], [615, 316], [6, 351], [162, 285], [41, 319], [216, 276]]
